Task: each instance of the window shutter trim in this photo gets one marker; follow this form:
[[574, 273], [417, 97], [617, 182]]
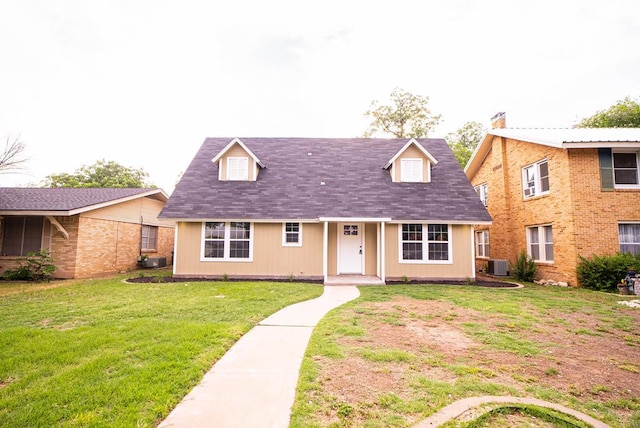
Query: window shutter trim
[[606, 169]]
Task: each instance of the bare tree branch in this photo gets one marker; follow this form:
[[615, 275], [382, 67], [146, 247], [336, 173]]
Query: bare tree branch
[[12, 157]]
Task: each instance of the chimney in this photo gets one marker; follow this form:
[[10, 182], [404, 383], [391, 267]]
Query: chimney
[[499, 120]]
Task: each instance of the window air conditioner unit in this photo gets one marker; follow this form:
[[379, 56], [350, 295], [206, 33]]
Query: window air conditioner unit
[[529, 191], [498, 267]]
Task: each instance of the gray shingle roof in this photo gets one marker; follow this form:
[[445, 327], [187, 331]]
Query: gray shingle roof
[[356, 185], [62, 199]]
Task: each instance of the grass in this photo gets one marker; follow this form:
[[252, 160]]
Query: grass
[[420, 380], [106, 353]]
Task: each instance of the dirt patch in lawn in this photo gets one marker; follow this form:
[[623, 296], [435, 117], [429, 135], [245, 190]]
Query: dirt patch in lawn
[[575, 353]]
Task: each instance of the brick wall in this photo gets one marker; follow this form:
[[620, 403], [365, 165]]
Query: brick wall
[[584, 218]]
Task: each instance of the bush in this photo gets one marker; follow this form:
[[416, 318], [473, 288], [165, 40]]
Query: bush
[[605, 272], [524, 269], [37, 266]]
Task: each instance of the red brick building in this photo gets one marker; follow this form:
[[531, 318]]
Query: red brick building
[[558, 194], [89, 232]]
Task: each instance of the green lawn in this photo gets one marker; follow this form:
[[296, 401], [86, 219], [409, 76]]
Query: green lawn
[[107, 353], [400, 353]]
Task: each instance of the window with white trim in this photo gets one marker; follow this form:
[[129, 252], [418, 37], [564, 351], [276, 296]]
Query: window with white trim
[[237, 169], [540, 243], [292, 234], [483, 192], [535, 179], [482, 244], [411, 170], [625, 169], [22, 235], [629, 237], [424, 243], [149, 239], [227, 241]]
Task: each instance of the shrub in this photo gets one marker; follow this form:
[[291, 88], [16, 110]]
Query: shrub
[[37, 266], [524, 269], [605, 272]]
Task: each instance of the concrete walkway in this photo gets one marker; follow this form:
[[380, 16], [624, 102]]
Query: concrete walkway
[[460, 407], [254, 383]]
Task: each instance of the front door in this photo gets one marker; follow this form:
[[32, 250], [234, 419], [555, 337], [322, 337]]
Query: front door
[[350, 248]]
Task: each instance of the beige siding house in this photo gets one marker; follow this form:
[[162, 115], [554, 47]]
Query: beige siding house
[[557, 194], [89, 232], [321, 208]]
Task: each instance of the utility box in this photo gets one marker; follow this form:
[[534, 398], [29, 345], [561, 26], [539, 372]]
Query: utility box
[[154, 262], [498, 267]]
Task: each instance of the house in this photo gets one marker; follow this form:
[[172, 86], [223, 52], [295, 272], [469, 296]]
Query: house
[[315, 208], [89, 232], [558, 194]]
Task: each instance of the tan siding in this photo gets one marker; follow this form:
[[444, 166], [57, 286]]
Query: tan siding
[[143, 210], [332, 264], [411, 152], [236, 151], [370, 250], [270, 257], [461, 268]]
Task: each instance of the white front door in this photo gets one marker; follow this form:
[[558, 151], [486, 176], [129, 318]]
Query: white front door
[[350, 248]]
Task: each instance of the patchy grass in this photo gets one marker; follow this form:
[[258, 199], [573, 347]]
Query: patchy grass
[[106, 353], [400, 353]]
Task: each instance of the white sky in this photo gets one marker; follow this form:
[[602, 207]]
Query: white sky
[[144, 82]]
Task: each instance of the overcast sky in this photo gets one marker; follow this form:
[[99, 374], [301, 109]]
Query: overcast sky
[[144, 82]]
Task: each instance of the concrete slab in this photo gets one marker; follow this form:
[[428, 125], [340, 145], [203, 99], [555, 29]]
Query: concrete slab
[[254, 383]]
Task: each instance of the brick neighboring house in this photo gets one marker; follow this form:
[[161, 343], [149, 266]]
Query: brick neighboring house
[[89, 232], [384, 209], [558, 193]]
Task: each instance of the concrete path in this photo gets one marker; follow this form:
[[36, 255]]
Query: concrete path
[[458, 408], [254, 383]]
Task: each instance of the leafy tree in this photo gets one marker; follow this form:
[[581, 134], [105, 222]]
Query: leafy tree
[[464, 141], [12, 157], [407, 116], [100, 174], [623, 114]]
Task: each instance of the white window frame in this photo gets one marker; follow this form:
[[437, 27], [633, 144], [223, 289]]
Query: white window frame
[[483, 192], [542, 243], [483, 249], [425, 245], [637, 169], [411, 170], [620, 243], [285, 232], [227, 243], [240, 170], [536, 189], [145, 238]]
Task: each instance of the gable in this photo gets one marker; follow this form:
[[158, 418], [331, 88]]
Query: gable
[[412, 163], [236, 162]]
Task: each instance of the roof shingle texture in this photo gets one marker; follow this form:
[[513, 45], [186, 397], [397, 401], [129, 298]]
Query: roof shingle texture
[[356, 185], [60, 199]]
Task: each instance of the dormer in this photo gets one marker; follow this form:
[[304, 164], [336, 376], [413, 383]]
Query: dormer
[[237, 163], [411, 164]]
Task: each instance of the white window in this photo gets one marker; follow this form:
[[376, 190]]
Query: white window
[[535, 179], [540, 243], [629, 236], [237, 168], [411, 170], [483, 192], [149, 239], [482, 244], [424, 243], [625, 169], [292, 234], [227, 241]]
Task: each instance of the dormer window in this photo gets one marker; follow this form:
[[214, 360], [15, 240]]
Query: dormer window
[[237, 168], [411, 170]]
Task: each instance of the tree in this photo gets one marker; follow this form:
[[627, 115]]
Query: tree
[[407, 116], [623, 114], [12, 158], [100, 174], [464, 141]]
